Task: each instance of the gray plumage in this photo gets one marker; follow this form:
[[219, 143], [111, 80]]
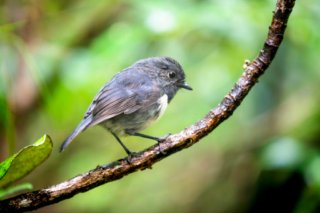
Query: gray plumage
[[133, 98]]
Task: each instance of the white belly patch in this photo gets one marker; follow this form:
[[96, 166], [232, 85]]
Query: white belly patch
[[163, 101]]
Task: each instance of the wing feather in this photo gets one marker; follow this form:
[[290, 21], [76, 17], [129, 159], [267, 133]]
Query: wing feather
[[123, 96]]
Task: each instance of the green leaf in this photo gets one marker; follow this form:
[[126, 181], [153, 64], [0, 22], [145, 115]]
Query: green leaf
[[23, 162], [14, 189]]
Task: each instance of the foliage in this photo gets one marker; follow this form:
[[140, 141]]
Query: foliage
[[55, 55], [22, 163]]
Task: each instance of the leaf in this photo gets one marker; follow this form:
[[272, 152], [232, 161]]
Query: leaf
[[23, 162], [13, 189]]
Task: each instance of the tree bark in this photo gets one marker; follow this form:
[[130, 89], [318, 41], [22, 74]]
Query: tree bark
[[174, 143]]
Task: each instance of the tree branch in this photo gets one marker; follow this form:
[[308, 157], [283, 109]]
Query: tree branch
[[174, 143]]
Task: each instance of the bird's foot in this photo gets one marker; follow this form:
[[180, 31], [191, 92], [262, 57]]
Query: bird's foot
[[160, 140], [131, 155]]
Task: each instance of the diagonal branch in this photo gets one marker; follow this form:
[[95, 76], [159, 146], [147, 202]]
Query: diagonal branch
[[174, 143]]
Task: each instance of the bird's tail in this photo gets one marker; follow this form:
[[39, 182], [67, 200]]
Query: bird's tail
[[81, 127]]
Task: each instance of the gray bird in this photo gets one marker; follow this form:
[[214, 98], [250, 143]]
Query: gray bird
[[134, 98]]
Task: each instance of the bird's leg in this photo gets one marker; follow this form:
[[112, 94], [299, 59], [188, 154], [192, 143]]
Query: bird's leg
[[130, 154], [159, 140]]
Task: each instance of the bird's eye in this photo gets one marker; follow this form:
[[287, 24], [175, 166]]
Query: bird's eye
[[172, 74]]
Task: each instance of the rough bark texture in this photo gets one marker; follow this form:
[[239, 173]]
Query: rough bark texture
[[174, 143]]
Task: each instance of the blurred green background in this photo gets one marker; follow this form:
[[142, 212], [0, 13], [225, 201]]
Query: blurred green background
[[56, 55]]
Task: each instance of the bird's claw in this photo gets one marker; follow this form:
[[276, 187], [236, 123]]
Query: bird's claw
[[160, 140], [130, 156]]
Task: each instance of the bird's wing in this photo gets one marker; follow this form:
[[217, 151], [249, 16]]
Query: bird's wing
[[122, 96]]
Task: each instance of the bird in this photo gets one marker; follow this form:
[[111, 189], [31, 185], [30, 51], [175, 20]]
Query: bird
[[133, 99]]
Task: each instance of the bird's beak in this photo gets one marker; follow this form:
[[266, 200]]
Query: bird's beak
[[183, 85]]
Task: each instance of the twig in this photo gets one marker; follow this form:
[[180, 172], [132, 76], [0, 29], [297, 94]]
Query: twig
[[174, 143]]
